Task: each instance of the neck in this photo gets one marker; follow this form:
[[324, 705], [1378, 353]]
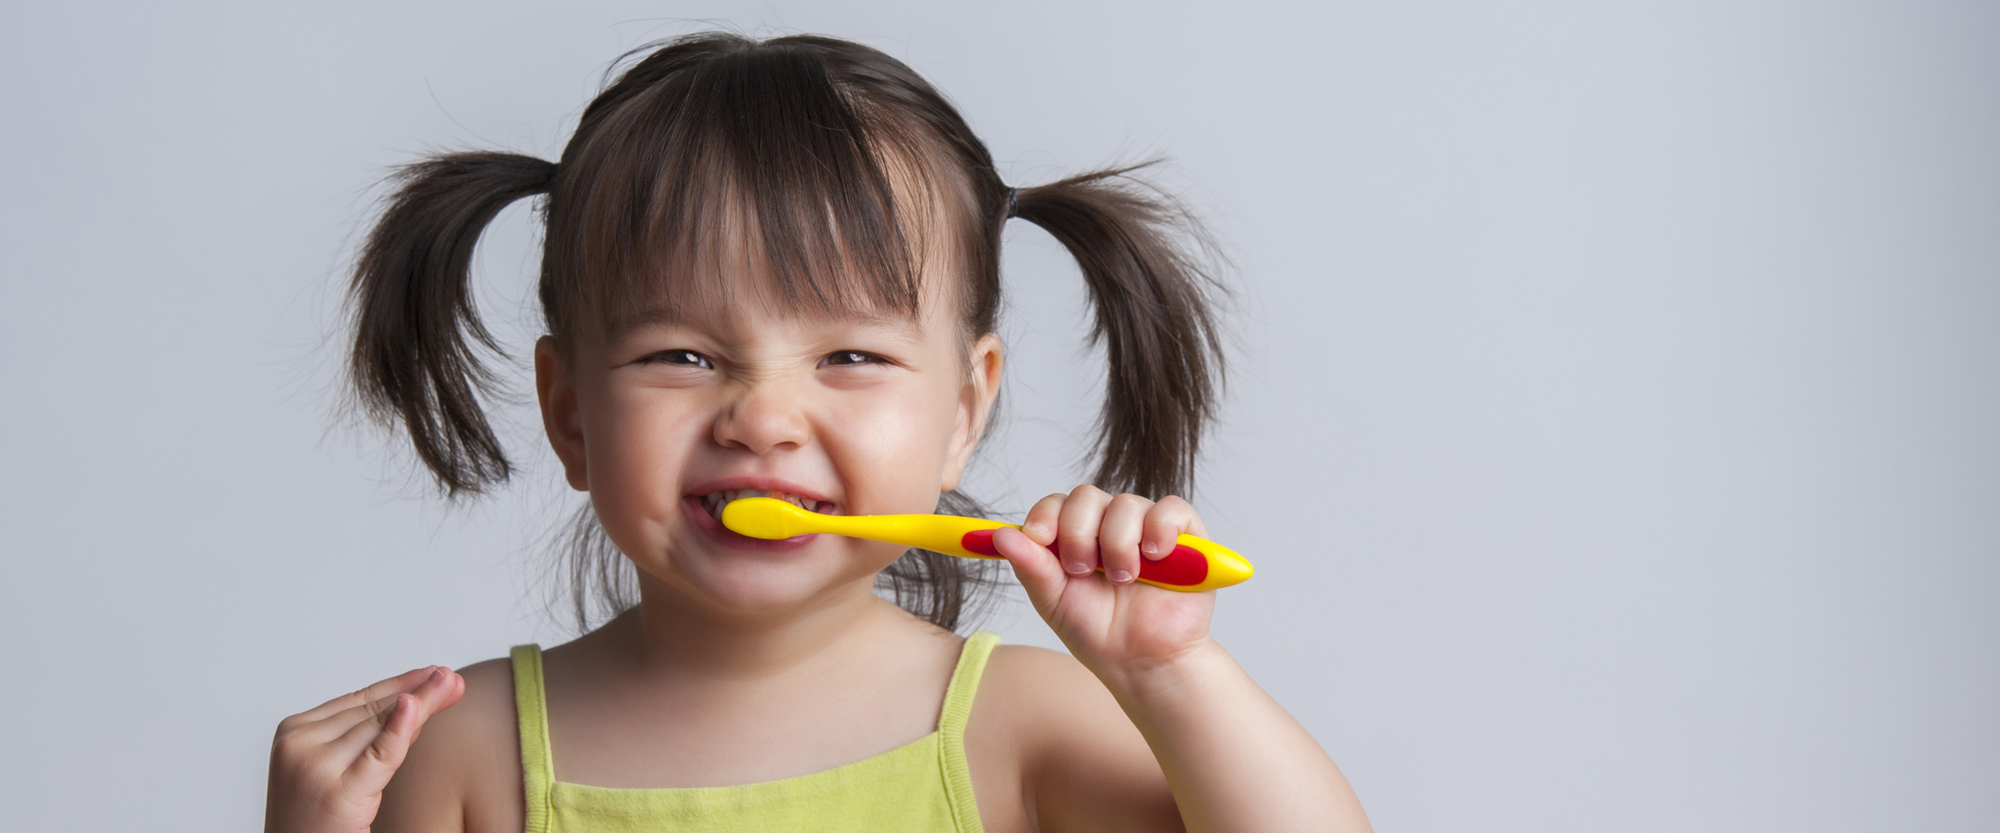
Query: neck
[[670, 633]]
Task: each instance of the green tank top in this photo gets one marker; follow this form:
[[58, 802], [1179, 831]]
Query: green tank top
[[923, 785]]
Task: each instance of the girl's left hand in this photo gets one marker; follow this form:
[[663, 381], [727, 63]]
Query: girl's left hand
[[1112, 623]]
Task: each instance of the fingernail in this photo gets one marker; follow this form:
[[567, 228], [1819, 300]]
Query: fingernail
[[1120, 576], [1150, 548], [1078, 569], [436, 675], [1035, 530]]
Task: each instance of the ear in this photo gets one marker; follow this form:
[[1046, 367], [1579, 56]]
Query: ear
[[560, 417], [975, 406]]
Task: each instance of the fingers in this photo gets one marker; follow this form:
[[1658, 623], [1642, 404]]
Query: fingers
[[330, 726], [362, 724], [1089, 529], [1118, 536], [341, 754], [1165, 523], [405, 681], [1076, 529], [1041, 522], [373, 749], [1041, 574], [376, 761]]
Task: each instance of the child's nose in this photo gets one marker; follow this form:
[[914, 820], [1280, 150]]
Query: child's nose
[[764, 416]]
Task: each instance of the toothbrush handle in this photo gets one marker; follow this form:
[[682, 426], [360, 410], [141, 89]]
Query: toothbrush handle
[[1194, 564]]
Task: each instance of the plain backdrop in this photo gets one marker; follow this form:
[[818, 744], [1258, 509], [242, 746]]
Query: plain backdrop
[[1614, 419]]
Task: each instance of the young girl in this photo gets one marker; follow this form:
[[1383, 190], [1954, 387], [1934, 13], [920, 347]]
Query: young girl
[[772, 268]]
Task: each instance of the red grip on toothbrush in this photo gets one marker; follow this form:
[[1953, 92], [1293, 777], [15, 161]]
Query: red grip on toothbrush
[[1185, 566]]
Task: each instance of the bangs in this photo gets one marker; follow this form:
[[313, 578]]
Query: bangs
[[744, 164], [808, 173]]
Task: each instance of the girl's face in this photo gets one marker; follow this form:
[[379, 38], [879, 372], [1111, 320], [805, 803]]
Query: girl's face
[[667, 416]]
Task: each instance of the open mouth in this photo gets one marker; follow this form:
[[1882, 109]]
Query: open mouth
[[713, 502]]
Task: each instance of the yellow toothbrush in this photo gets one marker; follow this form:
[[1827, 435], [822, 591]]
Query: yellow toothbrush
[[1195, 564]]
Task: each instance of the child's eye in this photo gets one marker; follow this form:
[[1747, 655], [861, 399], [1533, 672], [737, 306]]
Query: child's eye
[[839, 357], [682, 358]]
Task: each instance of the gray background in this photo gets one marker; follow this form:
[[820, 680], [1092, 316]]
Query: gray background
[[1615, 423]]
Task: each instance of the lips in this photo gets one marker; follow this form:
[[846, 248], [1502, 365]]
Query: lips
[[703, 507]]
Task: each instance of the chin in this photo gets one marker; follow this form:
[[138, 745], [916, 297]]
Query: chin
[[764, 583], [756, 593]]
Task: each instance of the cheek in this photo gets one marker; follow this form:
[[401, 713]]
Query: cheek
[[891, 449], [636, 446]]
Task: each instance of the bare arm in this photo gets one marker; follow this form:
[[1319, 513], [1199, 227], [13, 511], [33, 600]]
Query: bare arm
[[1045, 729], [1236, 759], [1233, 758]]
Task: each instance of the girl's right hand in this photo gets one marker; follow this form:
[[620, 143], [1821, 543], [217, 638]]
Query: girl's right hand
[[329, 765]]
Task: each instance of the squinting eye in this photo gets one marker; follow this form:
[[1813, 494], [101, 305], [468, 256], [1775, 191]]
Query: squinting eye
[[684, 358], [847, 357]]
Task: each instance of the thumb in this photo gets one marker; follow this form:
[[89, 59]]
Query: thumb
[[1038, 569]]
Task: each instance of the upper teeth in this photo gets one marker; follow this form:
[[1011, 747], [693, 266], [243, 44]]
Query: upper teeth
[[714, 501]]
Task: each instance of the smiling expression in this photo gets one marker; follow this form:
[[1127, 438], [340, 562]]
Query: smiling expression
[[664, 418]]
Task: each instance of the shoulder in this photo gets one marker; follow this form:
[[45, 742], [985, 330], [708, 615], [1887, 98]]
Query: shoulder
[[1023, 677], [1043, 698], [1045, 729], [464, 771]]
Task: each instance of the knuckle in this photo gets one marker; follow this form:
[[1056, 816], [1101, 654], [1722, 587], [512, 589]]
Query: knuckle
[[1076, 516], [380, 755], [1077, 531], [288, 746]]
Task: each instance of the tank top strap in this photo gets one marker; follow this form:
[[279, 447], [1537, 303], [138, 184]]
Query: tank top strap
[[951, 727], [537, 768]]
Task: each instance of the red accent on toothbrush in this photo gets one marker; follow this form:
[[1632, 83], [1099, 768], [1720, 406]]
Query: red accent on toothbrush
[[1185, 566]]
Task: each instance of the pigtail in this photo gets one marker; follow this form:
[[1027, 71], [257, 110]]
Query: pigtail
[[415, 327], [1151, 292]]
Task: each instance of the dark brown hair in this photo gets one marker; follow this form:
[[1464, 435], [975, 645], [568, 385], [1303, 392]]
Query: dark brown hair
[[842, 172]]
